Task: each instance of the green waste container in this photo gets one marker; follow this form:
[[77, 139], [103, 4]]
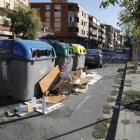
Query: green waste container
[[64, 54], [79, 58]]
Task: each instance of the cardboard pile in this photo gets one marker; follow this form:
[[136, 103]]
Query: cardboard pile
[[55, 88]]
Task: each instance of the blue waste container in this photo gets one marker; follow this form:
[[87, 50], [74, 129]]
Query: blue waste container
[[22, 64]]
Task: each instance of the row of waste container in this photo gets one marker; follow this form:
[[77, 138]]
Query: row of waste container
[[24, 62]]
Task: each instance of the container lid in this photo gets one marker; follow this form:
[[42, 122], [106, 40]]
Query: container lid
[[78, 49], [63, 49], [4, 43], [27, 48]]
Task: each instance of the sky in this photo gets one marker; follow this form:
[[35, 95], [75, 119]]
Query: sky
[[107, 16]]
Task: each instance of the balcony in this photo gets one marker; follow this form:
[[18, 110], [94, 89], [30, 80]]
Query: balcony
[[72, 7], [92, 33], [93, 26]]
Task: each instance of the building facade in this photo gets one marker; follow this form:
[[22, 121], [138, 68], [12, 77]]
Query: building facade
[[68, 21], [71, 23], [113, 37], [12, 5]]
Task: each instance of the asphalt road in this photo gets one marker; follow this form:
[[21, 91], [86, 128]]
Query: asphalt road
[[77, 118]]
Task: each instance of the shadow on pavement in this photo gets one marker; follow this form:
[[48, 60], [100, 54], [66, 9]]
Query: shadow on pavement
[[7, 101], [19, 119], [75, 130]]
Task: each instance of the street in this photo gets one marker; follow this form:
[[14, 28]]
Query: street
[[76, 119]]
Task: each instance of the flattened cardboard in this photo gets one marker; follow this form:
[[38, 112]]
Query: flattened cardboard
[[50, 109], [56, 99], [50, 80], [82, 81], [10, 113]]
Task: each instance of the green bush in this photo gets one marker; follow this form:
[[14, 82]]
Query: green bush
[[111, 99], [130, 72], [131, 100], [116, 86], [120, 75], [137, 72], [118, 81], [100, 129], [130, 63], [130, 67], [125, 121], [114, 92], [128, 85], [128, 81], [107, 109], [121, 70]]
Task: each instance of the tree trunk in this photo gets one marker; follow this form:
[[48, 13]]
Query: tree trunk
[[136, 56]]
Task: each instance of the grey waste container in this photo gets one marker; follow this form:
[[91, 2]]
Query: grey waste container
[[22, 64]]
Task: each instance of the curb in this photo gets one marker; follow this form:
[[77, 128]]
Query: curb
[[111, 134]]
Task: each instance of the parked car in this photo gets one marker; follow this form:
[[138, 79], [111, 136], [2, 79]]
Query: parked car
[[119, 51], [95, 57]]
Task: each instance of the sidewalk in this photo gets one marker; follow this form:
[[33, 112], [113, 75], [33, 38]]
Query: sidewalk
[[130, 130]]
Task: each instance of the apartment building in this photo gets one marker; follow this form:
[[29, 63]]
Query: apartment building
[[102, 36], [12, 5], [94, 26], [68, 21], [97, 33], [113, 39]]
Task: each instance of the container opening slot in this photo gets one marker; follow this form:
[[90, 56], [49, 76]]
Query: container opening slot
[[40, 53]]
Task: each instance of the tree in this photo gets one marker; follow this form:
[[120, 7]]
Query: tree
[[24, 23], [130, 17], [131, 13]]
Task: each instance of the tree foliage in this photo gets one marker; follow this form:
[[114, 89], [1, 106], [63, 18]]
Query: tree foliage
[[129, 16], [24, 23], [130, 21]]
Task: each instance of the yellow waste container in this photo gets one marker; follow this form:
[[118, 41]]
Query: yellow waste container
[[79, 58]]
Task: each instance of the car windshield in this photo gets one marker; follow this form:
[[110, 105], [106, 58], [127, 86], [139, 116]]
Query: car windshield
[[93, 51]]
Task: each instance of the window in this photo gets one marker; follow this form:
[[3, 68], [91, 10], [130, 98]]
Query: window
[[84, 32], [71, 19], [57, 8], [57, 29], [82, 22], [57, 19], [7, 3], [47, 19], [85, 23], [77, 19], [81, 31], [47, 8], [84, 14]]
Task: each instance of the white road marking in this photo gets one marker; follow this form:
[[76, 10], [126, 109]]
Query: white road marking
[[83, 102]]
